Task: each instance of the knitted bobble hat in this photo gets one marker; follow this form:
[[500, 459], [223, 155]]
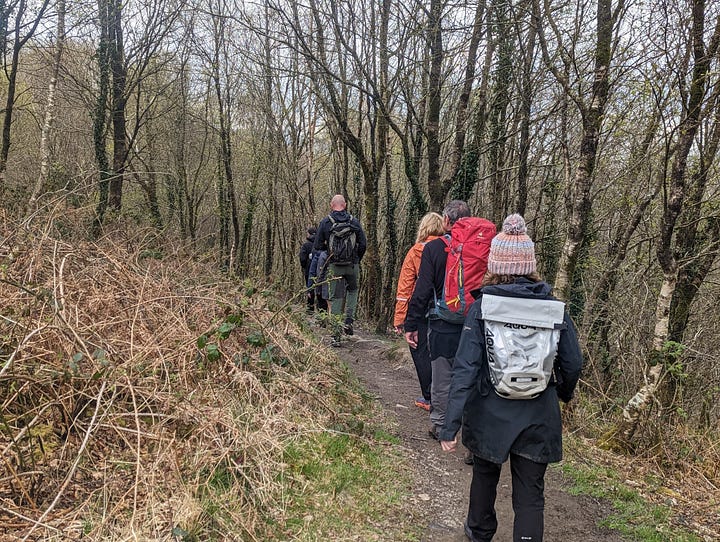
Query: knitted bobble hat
[[512, 252]]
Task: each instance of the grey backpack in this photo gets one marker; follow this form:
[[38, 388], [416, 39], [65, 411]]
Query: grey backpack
[[521, 339]]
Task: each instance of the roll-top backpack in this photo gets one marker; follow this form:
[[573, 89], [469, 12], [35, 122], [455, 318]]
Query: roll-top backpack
[[521, 339], [342, 241], [467, 247]]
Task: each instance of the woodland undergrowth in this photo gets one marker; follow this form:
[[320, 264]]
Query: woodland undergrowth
[[145, 395], [676, 468]]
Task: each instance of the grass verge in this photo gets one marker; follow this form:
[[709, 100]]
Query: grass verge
[[342, 486], [634, 516]]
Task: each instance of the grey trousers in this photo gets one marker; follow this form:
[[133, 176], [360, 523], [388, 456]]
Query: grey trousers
[[439, 389], [349, 275]]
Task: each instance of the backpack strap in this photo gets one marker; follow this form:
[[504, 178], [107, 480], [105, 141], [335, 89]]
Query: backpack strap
[[447, 239], [335, 221]]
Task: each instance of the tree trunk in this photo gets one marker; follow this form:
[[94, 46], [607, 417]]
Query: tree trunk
[[223, 104], [45, 135], [467, 176], [646, 395], [598, 307], [497, 115], [436, 188], [391, 255], [11, 87], [596, 313], [247, 230], [148, 181], [525, 107], [119, 102], [271, 165], [181, 168], [697, 247], [411, 139], [461, 114], [223, 211], [100, 113], [580, 204]]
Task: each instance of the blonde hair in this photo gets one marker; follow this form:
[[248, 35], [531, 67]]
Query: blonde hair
[[431, 224]]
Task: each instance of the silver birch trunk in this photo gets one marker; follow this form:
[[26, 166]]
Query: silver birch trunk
[[50, 106], [638, 404]]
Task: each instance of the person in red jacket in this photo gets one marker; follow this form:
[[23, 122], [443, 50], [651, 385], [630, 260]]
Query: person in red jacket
[[443, 337], [431, 227]]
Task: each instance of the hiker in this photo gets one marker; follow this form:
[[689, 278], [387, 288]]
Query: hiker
[[306, 256], [505, 411], [443, 335], [344, 239], [431, 227], [317, 281]]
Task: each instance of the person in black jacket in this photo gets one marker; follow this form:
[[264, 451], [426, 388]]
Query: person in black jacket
[[317, 282], [528, 431], [443, 337], [349, 271], [306, 256]]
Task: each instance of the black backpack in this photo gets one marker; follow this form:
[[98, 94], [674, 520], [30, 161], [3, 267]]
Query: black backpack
[[341, 244]]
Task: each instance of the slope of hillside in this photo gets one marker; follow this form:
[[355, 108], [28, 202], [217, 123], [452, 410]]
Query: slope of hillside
[[147, 397]]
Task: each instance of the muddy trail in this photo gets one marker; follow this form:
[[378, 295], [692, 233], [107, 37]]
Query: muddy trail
[[442, 480]]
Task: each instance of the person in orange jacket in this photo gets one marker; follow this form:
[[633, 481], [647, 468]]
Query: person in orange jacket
[[431, 227]]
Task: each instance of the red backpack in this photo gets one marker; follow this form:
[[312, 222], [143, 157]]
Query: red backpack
[[468, 247]]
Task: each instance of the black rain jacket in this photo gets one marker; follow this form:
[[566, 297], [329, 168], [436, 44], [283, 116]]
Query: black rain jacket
[[306, 252], [323, 234], [444, 336], [493, 426]]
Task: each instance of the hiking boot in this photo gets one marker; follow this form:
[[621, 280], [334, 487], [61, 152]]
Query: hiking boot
[[348, 329], [423, 403], [469, 458], [434, 432]]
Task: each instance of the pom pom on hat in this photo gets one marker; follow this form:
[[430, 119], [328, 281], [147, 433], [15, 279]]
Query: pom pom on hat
[[514, 225], [512, 252]]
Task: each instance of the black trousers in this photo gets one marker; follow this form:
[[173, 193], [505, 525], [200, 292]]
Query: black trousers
[[421, 359], [310, 292], [528, 499]]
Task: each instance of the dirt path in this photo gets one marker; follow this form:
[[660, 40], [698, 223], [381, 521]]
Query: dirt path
[[442, 480]]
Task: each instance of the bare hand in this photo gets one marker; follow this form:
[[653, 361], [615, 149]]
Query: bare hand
[[449, 445], [412, 338]]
